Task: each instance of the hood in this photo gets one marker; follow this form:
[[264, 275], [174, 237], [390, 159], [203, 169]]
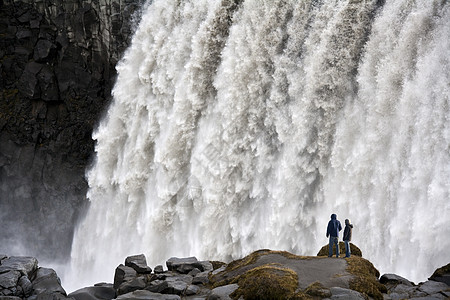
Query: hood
[[333, 217]]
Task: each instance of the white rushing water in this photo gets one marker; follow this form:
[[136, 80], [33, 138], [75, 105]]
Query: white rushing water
[[236, 127]]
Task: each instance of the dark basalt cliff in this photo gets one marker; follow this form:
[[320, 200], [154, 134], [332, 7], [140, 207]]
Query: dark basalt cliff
[[57, 63]]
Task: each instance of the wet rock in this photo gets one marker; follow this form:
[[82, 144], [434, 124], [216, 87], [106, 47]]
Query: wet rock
[[138, 263]]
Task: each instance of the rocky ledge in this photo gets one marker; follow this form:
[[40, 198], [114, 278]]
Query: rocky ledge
[[264, 274]]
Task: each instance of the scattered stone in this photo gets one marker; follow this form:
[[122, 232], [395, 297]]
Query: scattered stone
[[138, 263]]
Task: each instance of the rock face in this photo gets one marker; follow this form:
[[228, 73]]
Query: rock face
[[57, 63]]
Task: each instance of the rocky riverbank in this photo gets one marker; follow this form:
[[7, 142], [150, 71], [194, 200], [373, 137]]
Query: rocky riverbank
[[264, 274]]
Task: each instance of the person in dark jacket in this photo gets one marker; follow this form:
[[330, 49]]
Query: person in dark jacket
[[334, 226], [347, 237]]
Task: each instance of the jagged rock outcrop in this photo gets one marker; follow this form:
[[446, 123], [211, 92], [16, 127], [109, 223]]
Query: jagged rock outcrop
[[57, 63]]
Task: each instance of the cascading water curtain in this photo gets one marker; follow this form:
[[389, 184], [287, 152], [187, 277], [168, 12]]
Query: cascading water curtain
[[241, 125]]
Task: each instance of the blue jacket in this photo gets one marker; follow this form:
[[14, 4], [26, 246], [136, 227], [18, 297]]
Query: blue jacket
[[334, 226]]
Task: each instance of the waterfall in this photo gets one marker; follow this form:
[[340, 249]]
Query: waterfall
[[240, 125]]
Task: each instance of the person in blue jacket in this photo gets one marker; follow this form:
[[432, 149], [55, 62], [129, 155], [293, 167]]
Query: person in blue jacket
[[334, 226]]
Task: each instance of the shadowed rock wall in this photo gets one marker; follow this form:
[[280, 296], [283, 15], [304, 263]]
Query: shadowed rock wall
[[57, 61]]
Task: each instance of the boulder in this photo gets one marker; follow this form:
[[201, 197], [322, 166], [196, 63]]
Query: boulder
[[158, 269], [122, 274], [201, 278], [353, 249], [94, 293], [147, 295], [184, 265], [47, 281], [432, 287], [9, 279], [131, 286], [393, 279], [24, 264], [26, 286], [138, 263]]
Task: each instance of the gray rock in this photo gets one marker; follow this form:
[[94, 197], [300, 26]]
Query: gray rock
[[46, 281], [341, 293], [206, 266], [94, 293], [9, 279], [194, 272], [432, 287], [43, 49], [24, 264], [159, 269], [183, 265], [192, 290], [217, 271], [157, 286], [122, 274], [131, 285], [138, 263], [10, 298], [223, 292], [26, 286], [147, 295], [201, 278], [394, 279]]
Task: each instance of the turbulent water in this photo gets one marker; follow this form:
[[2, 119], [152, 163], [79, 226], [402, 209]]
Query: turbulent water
[[241, 125]]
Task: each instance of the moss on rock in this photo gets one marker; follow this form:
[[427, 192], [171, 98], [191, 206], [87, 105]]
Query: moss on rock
[[353, 249], [365, 278], [266, 282]]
